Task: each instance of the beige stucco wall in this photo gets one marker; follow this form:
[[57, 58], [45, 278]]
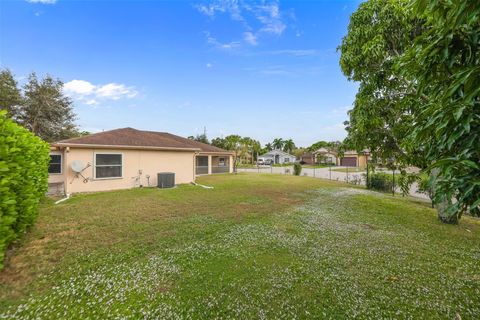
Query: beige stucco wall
[[150, 162], [326, 155], [362, 161]]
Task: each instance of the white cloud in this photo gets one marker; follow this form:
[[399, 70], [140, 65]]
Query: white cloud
[[274, 27], [270, 17], [91, 94], [209, 65], [81, 87], [295, 52], [43, 1], [266, 16], [115, 91], [222, 6], [91, 102], [220, 45], [250, 38]]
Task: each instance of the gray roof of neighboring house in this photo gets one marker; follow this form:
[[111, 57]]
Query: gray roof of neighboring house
[[275, 152]]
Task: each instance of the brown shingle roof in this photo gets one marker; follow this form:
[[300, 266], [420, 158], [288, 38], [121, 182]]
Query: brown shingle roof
[[129, 137]]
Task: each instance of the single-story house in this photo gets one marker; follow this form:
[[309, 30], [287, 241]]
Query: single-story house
[[127, 158], [276, 157], [307, 158], [325, 156], [350, 158], [354, 159]]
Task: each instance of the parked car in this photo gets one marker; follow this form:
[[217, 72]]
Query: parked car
[[268, 162]]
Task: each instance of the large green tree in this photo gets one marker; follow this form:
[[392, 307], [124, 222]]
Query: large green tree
[[41, 108], [417, 63], [200, 138], [444, 64], [330, 145], [244, 147], [46, 111], [10, 95], [378, 34]]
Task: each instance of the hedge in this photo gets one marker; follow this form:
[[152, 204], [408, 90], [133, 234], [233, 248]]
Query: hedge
[[24, 160]]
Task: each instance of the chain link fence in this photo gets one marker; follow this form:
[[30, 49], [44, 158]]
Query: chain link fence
[[350, 175]]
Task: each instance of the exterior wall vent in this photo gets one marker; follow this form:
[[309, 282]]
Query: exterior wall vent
[[166, 180]]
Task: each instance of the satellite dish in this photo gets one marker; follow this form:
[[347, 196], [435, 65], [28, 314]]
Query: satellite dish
[[77, 166]]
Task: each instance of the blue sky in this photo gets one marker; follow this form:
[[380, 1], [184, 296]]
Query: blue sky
[[262, 69]]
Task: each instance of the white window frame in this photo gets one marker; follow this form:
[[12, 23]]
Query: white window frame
[[61, 162], [95, 166], [286, 160]]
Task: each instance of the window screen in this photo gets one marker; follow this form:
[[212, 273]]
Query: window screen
[[55, 165], [108, 165]]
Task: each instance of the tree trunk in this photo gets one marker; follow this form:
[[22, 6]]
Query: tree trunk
[[442, 206]]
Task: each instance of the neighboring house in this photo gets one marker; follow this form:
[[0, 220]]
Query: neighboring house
[[354, 159], [325, 156], [350, 158], [127, 158], [276, 157], [308, 158]]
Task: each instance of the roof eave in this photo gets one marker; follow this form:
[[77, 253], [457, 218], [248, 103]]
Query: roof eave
[[217, 152], [105, 146]]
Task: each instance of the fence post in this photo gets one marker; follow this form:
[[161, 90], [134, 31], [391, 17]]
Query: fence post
[[314, 171], [347, 174], [330, 173], [366, 182], [393, 187]]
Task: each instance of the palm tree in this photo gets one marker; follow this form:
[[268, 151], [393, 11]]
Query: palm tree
[[269, 147], [288, 145], [278, 143]]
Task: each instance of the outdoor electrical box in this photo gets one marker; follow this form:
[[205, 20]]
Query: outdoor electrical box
[[166, 180]]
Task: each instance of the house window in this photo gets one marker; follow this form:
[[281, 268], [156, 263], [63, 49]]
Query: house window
[[221, 162], [108, 165], [55, 165], [286, 160]]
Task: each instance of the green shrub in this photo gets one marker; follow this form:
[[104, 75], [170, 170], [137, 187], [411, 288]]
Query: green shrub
[[24, 162], [297, 169], [380, 181]]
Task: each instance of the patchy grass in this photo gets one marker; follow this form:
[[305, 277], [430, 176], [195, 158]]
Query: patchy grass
[[256, 246], [351, 169]]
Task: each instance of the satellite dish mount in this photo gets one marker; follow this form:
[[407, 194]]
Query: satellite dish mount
[[78, 167]]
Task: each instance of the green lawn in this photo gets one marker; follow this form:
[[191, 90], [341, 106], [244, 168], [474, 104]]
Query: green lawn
[[309, 166], [255, 246], [247, 166]]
